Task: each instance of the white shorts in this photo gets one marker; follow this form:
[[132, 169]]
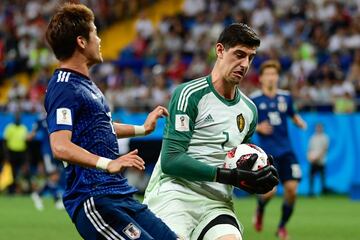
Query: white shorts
[[188, 213]]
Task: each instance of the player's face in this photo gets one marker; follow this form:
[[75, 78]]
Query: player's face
[[235, 62], [93, 47], [269, 78]]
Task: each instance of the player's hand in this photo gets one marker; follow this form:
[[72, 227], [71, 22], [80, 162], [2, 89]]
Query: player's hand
[[264, 180], [303, 125], [264, 128], [260, 181], [150, 122], [125, 161]]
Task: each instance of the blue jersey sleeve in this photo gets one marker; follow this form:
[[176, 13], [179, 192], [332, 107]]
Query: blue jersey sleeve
[[291, 108], [62, 104]]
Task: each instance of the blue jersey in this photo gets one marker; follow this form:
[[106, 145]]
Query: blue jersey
[[40, 127], [275, 110], [73, 102]]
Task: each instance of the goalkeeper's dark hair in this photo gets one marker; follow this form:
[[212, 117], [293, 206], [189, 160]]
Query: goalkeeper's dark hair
[[69, 22], [238, 34]]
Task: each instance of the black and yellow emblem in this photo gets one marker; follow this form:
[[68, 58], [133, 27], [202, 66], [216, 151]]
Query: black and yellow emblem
[[240, 122]]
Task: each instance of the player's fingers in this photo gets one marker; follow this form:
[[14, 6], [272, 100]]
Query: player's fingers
[[138, 159], [253, 159], [262, 172], [268, 180], [133, 152], [274, 171], [139, 164], [165, 112], [270, 159], [134, 162]]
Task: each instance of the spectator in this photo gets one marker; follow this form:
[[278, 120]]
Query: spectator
[[317, 150], [144, 26], [15, 134], [344, 103]]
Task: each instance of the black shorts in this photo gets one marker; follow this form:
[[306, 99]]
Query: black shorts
[[288, 167]]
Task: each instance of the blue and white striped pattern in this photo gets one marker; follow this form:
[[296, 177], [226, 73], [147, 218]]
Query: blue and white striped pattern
[[98, 222], [63, 76]]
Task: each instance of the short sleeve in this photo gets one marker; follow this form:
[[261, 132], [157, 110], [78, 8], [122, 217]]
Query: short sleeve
[[181, 121], [291, 111], [62, 103]]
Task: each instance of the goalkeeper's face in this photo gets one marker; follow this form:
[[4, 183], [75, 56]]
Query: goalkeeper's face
[[93, 48], [235, 62]]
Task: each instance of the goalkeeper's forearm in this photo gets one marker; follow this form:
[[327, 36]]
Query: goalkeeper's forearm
[[184, 166], [175, 162]]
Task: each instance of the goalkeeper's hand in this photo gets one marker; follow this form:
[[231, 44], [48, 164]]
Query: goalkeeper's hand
[[260, 181]]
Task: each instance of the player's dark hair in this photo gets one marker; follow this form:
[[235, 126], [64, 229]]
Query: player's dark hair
[[270, 64], [69, 22], [238, 34]]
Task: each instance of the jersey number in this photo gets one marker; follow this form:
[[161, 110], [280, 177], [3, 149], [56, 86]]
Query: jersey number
[[274, 118], [226, 139]]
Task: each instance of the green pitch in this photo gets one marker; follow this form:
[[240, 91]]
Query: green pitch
[[330, 218]]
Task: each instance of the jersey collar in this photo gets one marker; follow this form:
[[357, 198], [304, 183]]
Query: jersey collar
[[228, 102], [73, 71]]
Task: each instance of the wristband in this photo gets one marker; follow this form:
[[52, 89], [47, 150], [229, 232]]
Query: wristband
[[102, 163], [139, 130]]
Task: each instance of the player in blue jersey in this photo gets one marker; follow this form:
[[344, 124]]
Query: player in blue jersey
[[97, 197], [274, 106], [52, 169]]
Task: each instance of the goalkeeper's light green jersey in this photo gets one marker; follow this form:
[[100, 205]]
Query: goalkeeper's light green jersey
[[201, 128]]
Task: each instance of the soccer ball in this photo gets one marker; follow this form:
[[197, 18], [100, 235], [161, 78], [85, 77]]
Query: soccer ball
[[238, 156]]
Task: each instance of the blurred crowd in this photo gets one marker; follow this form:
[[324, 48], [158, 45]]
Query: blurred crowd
[[317, 43]]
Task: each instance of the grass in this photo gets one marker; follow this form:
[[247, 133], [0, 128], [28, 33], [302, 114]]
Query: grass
[[329, 217]]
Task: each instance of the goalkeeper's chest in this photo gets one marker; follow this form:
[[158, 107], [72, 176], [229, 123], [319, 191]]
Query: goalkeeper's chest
[[224, 125]]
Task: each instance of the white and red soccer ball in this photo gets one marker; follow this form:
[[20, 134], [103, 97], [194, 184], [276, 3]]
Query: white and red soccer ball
[[239, 155]]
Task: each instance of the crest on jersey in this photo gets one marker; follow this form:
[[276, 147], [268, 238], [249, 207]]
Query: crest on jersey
[[282, 106], [240, 120], [132, 231]]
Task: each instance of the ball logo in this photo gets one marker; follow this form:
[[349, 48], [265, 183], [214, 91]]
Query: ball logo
[[231, 153]]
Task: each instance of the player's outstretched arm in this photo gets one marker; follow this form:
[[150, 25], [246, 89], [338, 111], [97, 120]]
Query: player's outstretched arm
[[260, 181], [150, 122], [298, 121], [126, 130], [65, 150]]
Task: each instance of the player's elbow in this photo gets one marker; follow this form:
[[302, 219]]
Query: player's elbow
[[166, 164], [59, 150]]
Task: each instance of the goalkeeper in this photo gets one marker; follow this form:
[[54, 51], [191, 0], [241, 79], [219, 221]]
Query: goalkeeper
[[209, 116]]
